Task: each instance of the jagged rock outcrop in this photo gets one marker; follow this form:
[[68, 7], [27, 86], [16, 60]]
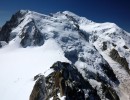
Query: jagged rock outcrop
[[15, 20], [125, 47], [31, 35], [67, 81], [39, 91], [109, 92], [104, 47], [115, 56]]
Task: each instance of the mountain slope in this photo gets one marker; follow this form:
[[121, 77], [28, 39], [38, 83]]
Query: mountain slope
[[31, 42]]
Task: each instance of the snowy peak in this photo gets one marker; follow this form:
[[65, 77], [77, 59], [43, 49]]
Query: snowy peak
[[15, 20], [49, 24], [78, 19], [22, 12], [100, 52]]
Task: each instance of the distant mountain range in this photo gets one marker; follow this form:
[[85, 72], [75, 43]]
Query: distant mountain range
[[77, 59]]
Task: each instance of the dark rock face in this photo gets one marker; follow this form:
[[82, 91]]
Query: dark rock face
[[116, 57], [109, 92], [15, 20], [109, 72], [114, 44], [31, 35], [67, 81], [70, 82], [84, 34], [125, 47], [39, 90], [72, 56], [104, 47]]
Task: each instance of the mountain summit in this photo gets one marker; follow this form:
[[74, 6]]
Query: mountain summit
[[78, 59]]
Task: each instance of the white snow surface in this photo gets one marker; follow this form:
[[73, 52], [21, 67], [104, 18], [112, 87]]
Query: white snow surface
[[20, 65]]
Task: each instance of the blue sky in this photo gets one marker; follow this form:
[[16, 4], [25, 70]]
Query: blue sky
[[117, 11]]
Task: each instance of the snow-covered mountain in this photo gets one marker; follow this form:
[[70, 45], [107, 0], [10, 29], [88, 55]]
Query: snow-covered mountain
[[95, 53]]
